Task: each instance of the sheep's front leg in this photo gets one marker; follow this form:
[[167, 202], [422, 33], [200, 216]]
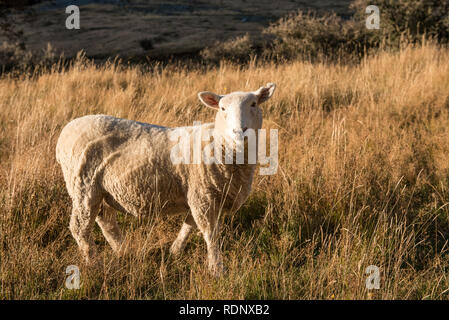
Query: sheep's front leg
[[107, 220], [207, 222], [180, 243]]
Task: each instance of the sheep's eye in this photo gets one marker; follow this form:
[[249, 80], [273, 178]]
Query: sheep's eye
[[222, 109], [253, 104]]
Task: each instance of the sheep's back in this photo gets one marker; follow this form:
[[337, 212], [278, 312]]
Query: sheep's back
[[88, 144]]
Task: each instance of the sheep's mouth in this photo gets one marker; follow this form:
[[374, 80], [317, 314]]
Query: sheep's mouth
[[239, 143]]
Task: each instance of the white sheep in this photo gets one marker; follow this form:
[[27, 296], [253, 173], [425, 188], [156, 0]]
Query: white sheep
[[128, 165]]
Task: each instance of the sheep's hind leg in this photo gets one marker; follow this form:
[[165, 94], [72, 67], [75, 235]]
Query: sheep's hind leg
[[107, 220], [81, 225], [179, 244]]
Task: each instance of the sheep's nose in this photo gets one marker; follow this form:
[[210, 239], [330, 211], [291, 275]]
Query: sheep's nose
[[236, 131]]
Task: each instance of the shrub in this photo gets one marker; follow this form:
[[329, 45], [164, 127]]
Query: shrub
[[410, 20], [146, 44], [13, 56], [238, 49], [330, 37], [308, 35]]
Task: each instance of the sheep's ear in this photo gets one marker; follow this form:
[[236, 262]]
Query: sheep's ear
[[265, 93], [209, 99]]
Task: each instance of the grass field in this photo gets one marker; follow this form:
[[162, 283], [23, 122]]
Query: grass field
[[363, 180]]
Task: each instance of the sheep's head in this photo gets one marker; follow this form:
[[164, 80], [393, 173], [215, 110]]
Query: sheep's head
[[237, 111]]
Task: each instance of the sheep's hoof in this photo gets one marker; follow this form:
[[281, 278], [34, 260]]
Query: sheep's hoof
[[91, 258], [216, 269], [119, 251], [175, 250]]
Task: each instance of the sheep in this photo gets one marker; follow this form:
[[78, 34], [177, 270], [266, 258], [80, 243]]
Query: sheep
[[128, 166]]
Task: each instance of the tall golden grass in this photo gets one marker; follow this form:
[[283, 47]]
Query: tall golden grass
[[363, 180]]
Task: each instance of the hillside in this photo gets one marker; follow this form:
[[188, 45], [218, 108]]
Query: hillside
[[114, 27]]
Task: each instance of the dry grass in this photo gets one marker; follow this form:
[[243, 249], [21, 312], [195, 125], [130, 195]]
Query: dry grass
[[363, 180]]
